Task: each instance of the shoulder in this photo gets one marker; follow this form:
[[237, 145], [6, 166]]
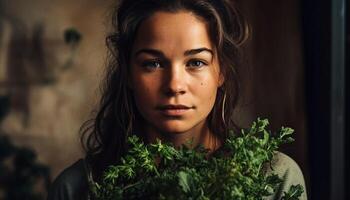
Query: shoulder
[[286, 168], [70, 184], [282, 164]]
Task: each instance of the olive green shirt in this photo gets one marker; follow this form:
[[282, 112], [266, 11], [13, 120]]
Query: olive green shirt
[[72, 183], [286, 168]]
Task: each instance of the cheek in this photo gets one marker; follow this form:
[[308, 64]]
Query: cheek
[[144, 90], [208, 84], [206, 92]]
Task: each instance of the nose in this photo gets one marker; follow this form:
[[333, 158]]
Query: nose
[[175, 80]]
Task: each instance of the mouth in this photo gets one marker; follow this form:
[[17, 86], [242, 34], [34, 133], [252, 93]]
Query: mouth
[[173, 110]]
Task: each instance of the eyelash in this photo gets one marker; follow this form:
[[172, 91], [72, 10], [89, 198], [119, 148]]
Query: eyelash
[[200, 62], [155, 64], [151, 64]]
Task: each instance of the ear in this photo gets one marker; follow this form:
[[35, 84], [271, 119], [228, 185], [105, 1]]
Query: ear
[[221, 80]]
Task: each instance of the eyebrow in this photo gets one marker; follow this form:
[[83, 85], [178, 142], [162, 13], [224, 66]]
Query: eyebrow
[[158, 53], [153, 52], [197, 51]]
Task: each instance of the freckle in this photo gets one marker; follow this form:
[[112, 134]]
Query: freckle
[[201, 83]]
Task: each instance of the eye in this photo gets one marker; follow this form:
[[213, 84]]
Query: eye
[[151, 64], [196, 64]]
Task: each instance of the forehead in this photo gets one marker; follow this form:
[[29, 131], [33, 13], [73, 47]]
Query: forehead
[[180, 29]]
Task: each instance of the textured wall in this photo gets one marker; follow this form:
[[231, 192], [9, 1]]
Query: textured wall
[[51, 84], [51, 96], [273, 80]]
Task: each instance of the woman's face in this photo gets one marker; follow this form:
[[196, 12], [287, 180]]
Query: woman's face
[[174, 72]]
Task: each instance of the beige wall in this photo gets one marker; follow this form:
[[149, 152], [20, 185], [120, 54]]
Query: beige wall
[[47, 117]]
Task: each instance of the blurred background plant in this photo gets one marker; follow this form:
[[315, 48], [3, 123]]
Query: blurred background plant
[[21, 175]]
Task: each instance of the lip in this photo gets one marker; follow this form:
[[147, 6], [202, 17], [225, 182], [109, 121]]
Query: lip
[[173, 110]]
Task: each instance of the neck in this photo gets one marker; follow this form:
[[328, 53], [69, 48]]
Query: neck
[[199, 134]]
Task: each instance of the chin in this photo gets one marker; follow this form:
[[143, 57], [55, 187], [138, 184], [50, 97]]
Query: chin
[[174, 127]]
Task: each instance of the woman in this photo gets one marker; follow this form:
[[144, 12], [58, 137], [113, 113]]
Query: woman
[[172, 75]]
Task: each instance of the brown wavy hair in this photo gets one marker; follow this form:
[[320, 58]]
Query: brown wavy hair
[[104, 136]]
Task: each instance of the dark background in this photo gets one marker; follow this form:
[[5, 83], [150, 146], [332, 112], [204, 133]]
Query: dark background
[[319, 33]]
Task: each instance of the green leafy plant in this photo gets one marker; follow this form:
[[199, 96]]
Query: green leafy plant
[[235, 171]]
